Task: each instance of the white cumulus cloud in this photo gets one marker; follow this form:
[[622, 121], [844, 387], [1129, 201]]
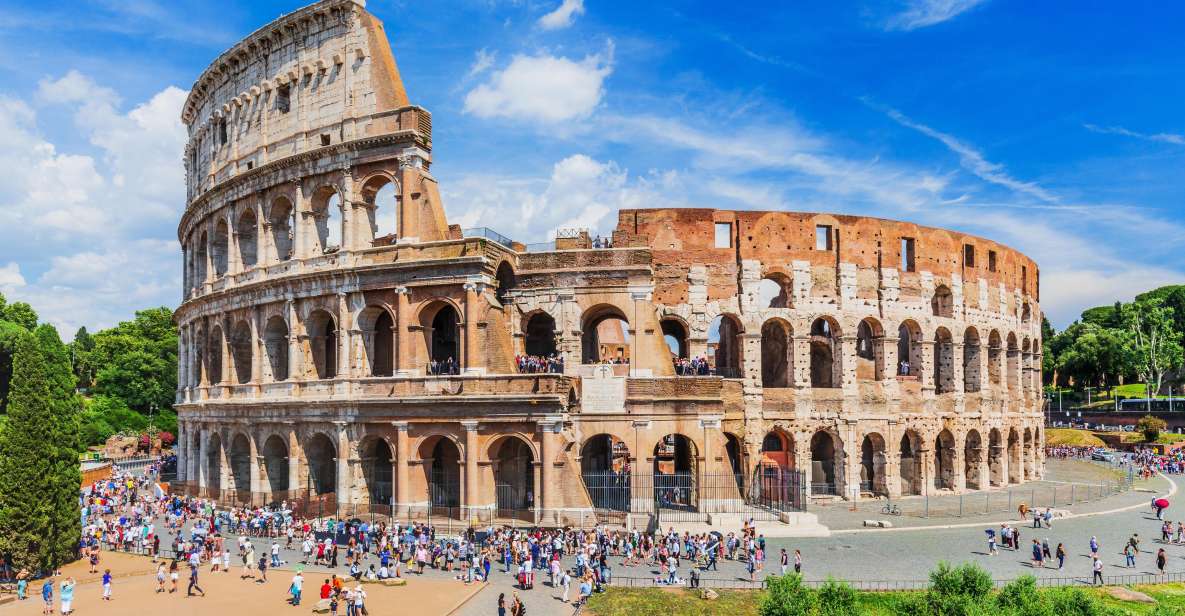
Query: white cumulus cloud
[[541, 88], [563, 16]]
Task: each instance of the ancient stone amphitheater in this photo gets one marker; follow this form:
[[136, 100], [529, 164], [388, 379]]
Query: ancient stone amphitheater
[[344, 347]]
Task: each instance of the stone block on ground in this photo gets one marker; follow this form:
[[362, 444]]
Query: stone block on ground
[[708, 594], [321, 607], [1126, 594]]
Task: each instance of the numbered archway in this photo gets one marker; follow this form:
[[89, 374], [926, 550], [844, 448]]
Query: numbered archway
[[873, 462], [944, 461], [514, 477], [275, 464], [910, 463], [826, 464], [321, 457], [675, 473]]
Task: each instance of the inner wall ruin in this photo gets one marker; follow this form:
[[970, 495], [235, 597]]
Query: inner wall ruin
[[342, 344]]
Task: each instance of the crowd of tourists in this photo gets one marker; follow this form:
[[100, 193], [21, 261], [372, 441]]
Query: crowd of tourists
[[696, 366], [442, 368], [535, 364]]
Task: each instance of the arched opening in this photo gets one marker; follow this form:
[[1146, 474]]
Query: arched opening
[[994, 356], [442, 331], [1026, 364], [442, 461], [321, 457], [872, 465], [539, 335], [605, 337], [943, 302], [777, 354], [909, 349], [826, 366], [214, 463], [675, 465], [972, 379], [248, 238], [201, 261], [216, 346], [675, 335], [724, 345], [973, 460], [605, 468], [773, 291], [944, 461], [322, 344], [944, 361], [283, 220], [870, 357], [378, 332], [275, 464], [327, 219], [777, 482], [240, 463], [911, 463], [221, 248], [1015, 472], [826, 464], [733, 449], [514, 477], [996, 459], [201, 356], [1013, 362], [242, 351], [506, 282], [275, 344], [381, 195], [377, 461], [1026, 313]]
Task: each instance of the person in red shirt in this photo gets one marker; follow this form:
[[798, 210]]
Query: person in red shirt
[[326, 590]]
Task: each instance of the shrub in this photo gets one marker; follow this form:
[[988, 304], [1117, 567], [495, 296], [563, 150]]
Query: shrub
[[836, 598], [1151, 427], [1022, 598], [787, 597], [167, 439]]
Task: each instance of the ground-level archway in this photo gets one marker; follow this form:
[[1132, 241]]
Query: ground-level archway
[[973, 460], [826, 464], [675, 478], [321, 456], [240, 463], [605, 468], [275, 464], [944, 461], [873, 461], [910, 464], [514, 477], [997, 462], [377, 461]]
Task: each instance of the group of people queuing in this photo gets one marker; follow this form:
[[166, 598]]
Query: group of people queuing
[[536, 364]]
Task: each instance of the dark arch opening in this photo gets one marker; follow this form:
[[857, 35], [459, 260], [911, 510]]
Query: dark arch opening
[[514, 478], [275, 464], [675, 480], [944, 461], [506, 282], [872, 465], [605, 468], [376, 468], [444, 341], [824, 479], [240, 463], [777, 355], [540, 335], [382, 356], [444, 474], [321, 456], [724, 342], [323, 344], [675, 335], [605, 337], [823, 354], [275, 344], [911, 465]]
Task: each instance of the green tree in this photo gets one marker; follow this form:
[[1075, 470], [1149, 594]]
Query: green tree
[[1155, 344], [27, 461], [1151, 426], [1091, 354], [20, 313], [80, 353], [136, 361], [9, 334], [837, 598], [62, 445]]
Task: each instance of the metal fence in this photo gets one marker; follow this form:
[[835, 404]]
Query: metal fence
[[741, 583], [1002, 500], [690, 497]]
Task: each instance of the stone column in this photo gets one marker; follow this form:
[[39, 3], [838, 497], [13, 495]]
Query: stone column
[[256, 347], [474, 359], [203, 457], [256, 483], [926, 370], [956, 361], [182, 454], [349, 236], [639, 348], [400, 473], [345, 368], [182, 360], [550, 495], [846, 363], [294, 454], [802, 362], [471, 488], [344, 486], [294, 352], [402, 336]]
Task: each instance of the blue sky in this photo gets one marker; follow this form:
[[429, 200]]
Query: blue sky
[[1060, 133]]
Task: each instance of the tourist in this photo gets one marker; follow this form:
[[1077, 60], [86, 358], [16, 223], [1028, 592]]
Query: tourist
[[263, 570], [106, 584], [1094, 546], [797, 562], [1161, 559], [501, 604], [566, 584], [47, 596], [193, 582], [991, 542], [67, 596], [1061, 556], [1038, 557], [173, 575], [785, 561], [296, 587], [1098, 571], [1129, 555]]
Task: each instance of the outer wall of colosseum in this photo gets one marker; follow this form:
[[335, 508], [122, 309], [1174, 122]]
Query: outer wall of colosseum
[[342, 344]]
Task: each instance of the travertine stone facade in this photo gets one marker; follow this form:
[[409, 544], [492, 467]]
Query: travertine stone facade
[[340, 339]]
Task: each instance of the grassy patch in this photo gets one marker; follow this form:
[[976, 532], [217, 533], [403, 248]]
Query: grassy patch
[[1168, 437], [1055, 437], [681, 602]]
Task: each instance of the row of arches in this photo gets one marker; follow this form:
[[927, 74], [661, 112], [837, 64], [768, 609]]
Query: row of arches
[[775, 290], [266, 234]]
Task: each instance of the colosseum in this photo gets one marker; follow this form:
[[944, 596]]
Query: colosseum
[[342, 344]]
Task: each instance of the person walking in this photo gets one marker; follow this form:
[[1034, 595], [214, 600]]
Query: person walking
[[1038, 557], [1094, 546], [502, 604], [1129, 556], [193, 582], [67, 596], [797, 562], [296, 587], [47, 596], [1061, 556], [1161, 560], [1097, 567], [106, 584], [785, 558]]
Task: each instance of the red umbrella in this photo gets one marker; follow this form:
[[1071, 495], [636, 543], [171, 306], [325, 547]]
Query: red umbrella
[[1163, 503]]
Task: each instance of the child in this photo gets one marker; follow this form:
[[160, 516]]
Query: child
[[106, 584]]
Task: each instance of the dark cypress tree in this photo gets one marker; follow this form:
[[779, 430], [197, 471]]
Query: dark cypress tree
[[26, 488], [63, 446]]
